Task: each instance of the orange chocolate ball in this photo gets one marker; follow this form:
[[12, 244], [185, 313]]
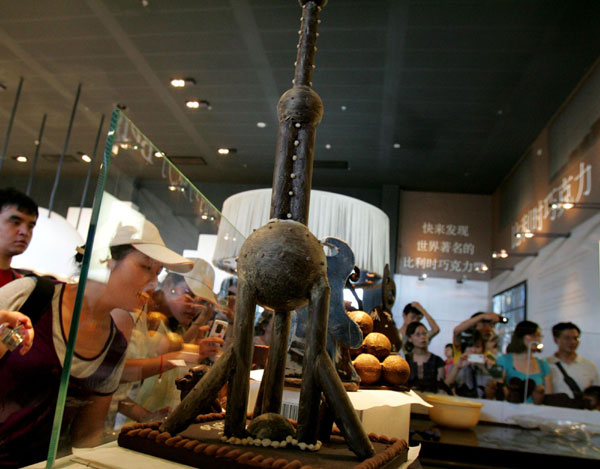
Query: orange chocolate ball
[[368, 368], [377, 344], [395, 370], [363, 320]]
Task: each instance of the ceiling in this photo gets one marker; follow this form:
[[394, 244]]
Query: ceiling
[[462, 86]]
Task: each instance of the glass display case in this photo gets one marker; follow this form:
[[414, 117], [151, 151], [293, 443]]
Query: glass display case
[[112, 340]]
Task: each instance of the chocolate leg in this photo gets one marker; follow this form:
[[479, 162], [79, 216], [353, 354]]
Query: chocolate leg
[[239, 381], [345, 415], [316, 338], [275, 370], [206, 390], [326, 419]]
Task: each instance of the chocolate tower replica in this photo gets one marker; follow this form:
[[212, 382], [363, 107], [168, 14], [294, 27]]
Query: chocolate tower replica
[[282, 266]]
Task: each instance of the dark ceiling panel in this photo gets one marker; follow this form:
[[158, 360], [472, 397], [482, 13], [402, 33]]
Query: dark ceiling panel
[[464, 86]]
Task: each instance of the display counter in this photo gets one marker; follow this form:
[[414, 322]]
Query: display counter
[[500, 446]]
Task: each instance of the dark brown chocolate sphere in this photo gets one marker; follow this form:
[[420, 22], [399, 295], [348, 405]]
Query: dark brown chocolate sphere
[[377, 344], [395, 370], [368, 368]]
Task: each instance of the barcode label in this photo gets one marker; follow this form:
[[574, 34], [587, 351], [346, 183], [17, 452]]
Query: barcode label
[[289, 410]]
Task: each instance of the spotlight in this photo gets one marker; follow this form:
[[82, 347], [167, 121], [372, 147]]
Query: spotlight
[[531, 234], [182, 82], [197, 104], [159, 154], [172, 188], [87, 158], [500, 254], [226, 151], [21, 158], [261, 125], [565, 205]]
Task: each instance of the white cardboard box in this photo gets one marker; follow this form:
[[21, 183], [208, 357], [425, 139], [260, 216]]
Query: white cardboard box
[[381, 412]]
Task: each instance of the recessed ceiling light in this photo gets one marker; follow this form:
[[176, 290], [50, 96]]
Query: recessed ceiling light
[[197, 104], [261, 125], [343, 108], [21, 159], [226, 151], [182, 82], [87, 158], [328, 146], [397, 145], [158, 154], [172, 188]]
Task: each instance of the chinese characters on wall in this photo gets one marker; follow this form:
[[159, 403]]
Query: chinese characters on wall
[[571, 189], [449, 234], [439, 253]]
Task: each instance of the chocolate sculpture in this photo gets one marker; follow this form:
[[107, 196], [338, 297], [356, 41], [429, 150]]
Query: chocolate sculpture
[[282, 266]]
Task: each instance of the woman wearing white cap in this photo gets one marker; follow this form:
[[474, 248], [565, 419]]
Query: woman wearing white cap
[[30, 382], [187, 301]]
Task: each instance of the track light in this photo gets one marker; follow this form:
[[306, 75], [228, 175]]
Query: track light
[[566, 205], [503, 254], [531, 234]]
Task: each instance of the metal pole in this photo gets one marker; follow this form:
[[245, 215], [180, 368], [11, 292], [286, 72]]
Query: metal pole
[[38, 144], [89, 172], [64, 151], [10, 122]]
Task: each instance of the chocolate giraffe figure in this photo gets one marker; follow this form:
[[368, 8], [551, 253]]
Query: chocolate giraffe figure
[[282, 266]]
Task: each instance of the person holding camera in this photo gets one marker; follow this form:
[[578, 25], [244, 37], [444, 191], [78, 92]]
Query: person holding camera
[[484, 323], [475, 374]]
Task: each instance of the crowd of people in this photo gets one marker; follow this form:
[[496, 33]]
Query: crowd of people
[[474, 366], [135, 335]]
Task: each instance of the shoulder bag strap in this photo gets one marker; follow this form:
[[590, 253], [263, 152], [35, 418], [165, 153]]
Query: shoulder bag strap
[[573, 386], [39, 299]]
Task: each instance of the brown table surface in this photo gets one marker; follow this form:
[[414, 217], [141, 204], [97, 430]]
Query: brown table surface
[[500, 446]]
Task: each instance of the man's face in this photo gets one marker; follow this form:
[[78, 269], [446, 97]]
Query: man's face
[[568, 340], [16, 229]]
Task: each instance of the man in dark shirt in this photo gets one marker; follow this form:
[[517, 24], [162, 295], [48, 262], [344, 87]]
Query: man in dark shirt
[[18, 214]]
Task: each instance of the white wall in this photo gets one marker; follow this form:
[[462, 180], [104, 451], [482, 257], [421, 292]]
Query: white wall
[[447, 301], [563, 285]]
